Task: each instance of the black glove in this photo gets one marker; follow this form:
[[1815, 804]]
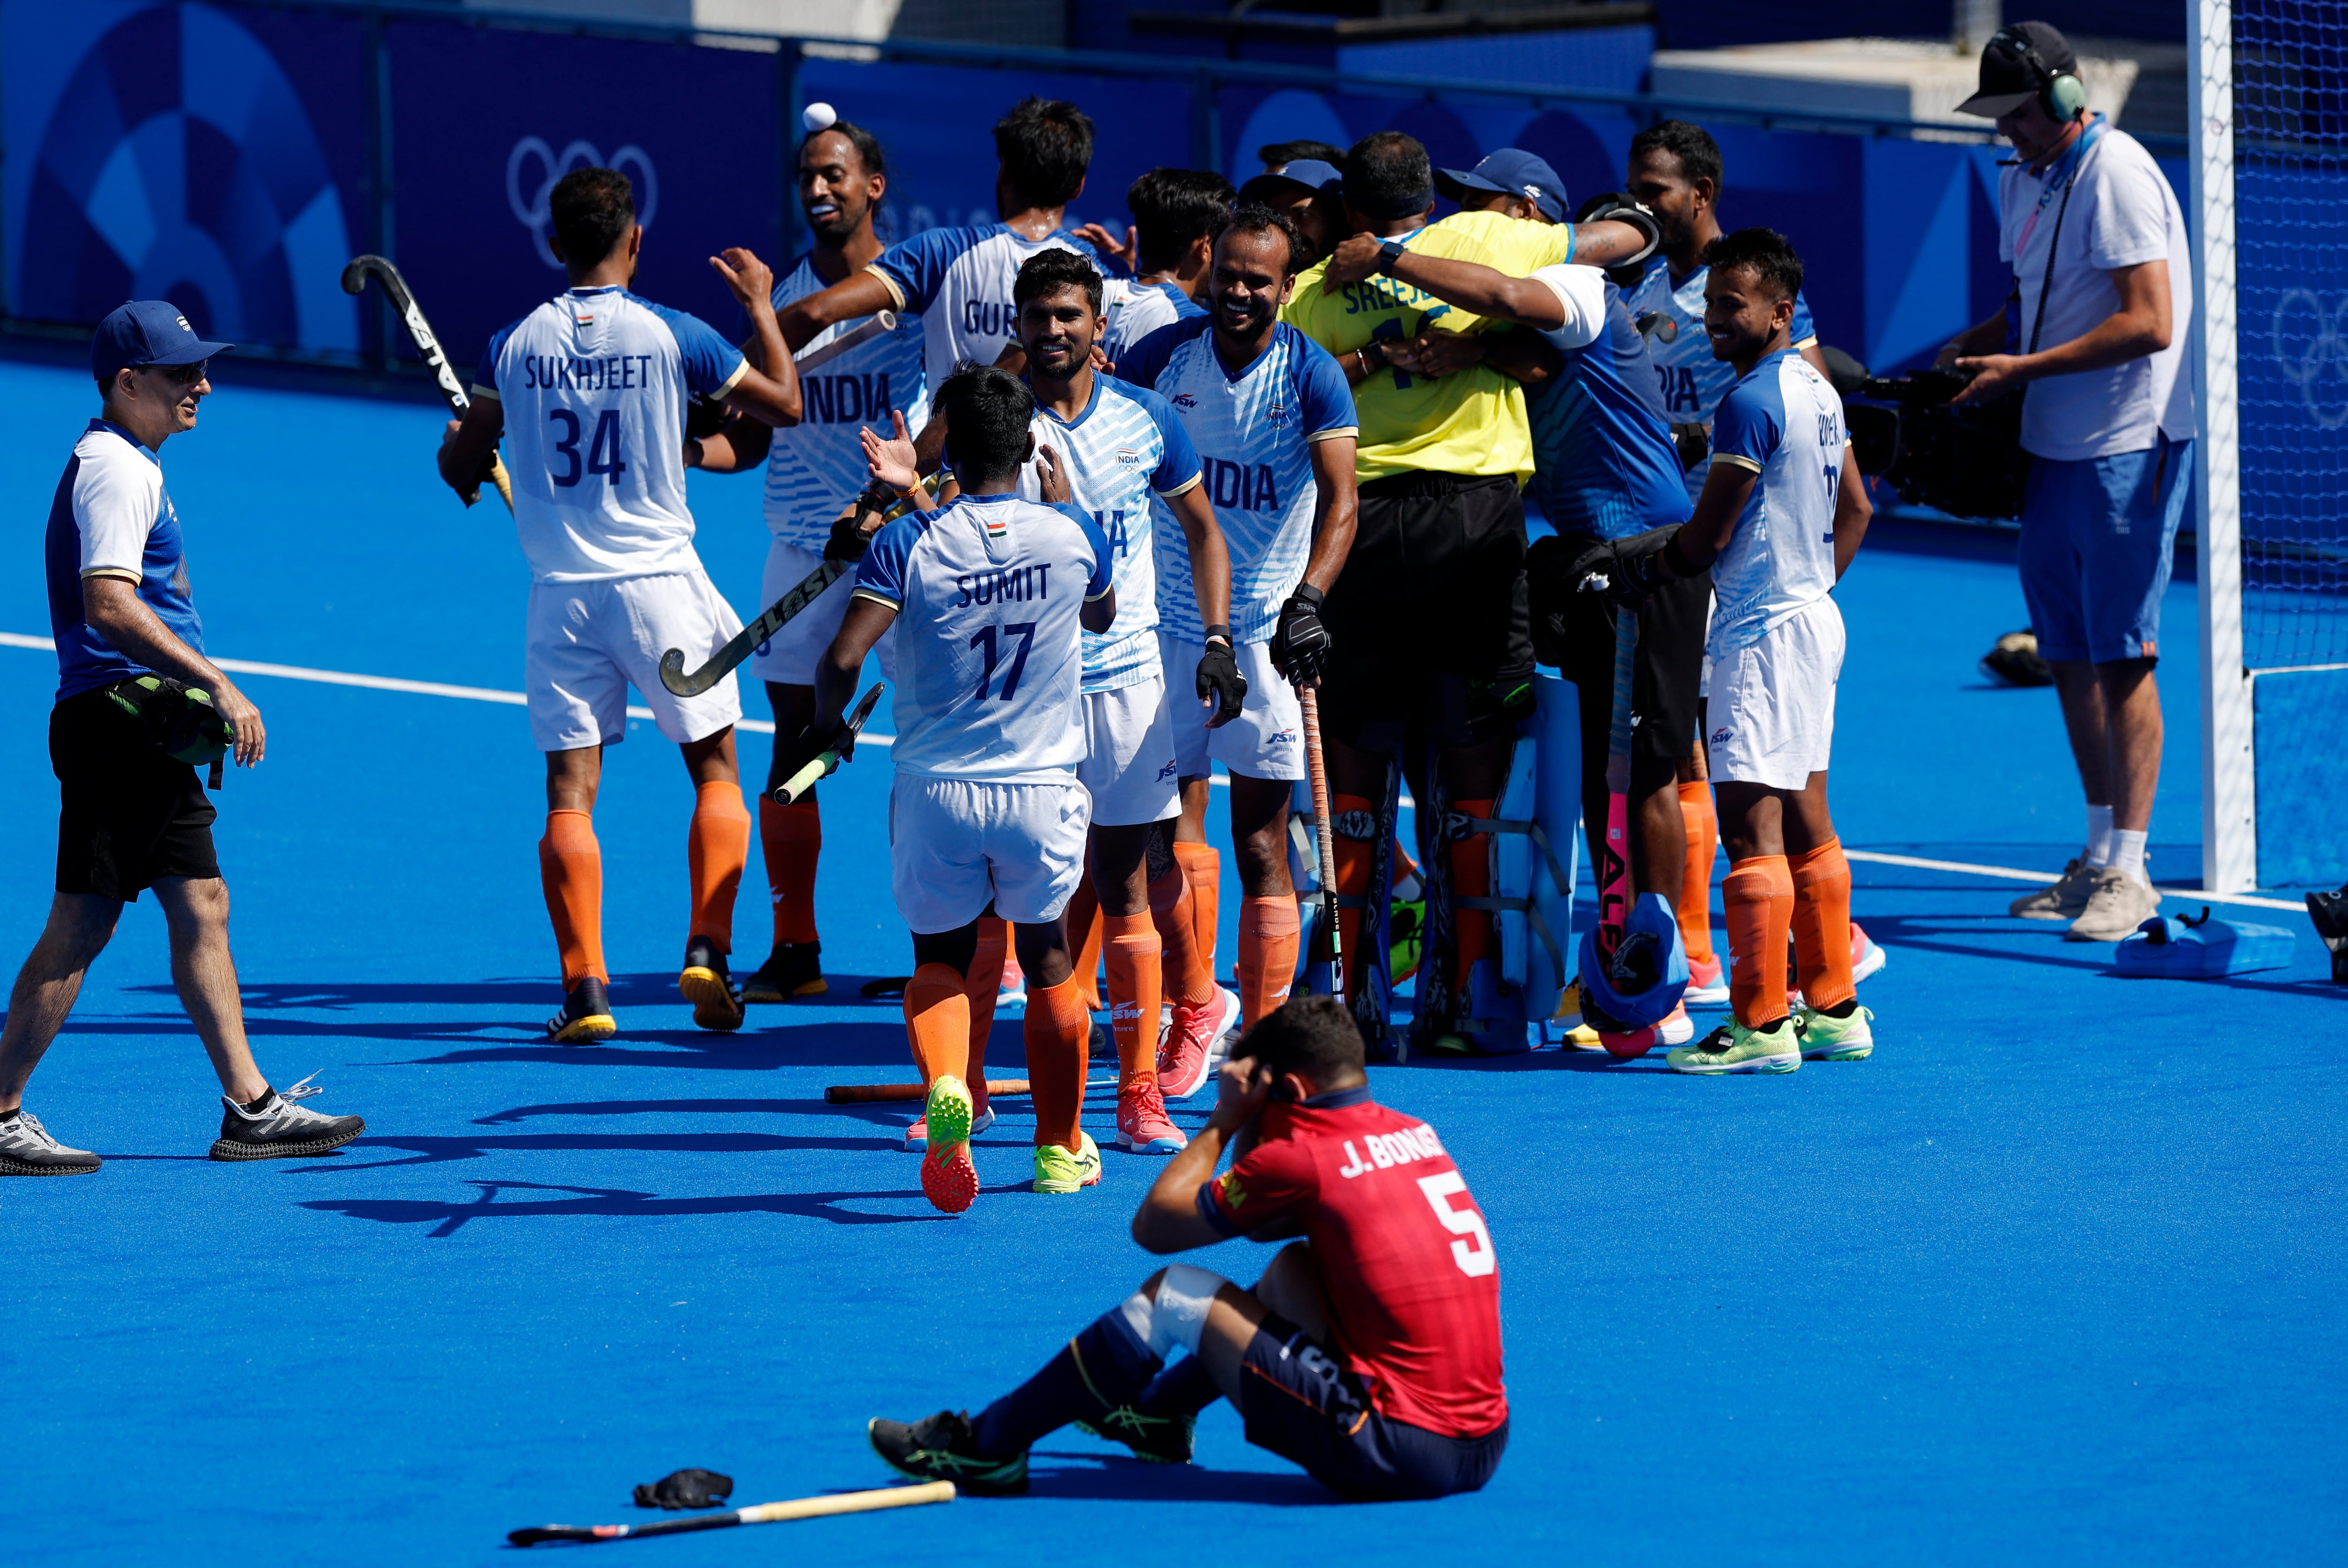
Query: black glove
[[804, 748], [1693, 444], [1300, 646], [1219, 676], [1496, 707], [1634, 567], [1614, 207], [704, 417], [848, 535], [687, 1489]]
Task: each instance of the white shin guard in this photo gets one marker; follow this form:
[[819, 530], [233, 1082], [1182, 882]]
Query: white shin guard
[[1178, 1315]]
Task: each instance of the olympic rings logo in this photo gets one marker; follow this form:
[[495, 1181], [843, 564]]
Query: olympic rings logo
[[2319, 366], [535, 211]]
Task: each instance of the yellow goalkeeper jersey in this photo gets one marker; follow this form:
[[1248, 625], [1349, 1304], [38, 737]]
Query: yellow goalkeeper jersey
[[1470, 423]]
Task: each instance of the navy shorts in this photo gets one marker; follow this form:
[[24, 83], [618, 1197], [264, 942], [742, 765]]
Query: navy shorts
[[1300, 1403], [2097, 538]]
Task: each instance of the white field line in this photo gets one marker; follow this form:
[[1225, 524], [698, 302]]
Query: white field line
[[761, 726]]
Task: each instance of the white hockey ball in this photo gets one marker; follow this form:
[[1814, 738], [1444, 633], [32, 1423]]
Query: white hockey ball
[[818, 117]]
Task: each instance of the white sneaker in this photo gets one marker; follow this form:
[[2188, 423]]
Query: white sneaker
[[2065, 898], [282, 1127], [28, 1150], [2119, 905]]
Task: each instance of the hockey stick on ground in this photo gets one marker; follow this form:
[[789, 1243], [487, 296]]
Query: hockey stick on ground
[[427, 348], [884, 1093], [821, 764], [1316, 772], [757, 1513]]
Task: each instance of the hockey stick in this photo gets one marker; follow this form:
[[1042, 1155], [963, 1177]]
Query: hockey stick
[[757, 1513], [1316, 772], [821, 764], [883, 1093], [856, 336], [1614, 894], [427, 348]]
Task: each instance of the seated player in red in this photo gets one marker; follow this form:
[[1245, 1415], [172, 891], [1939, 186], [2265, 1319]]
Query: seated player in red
[[1369, 1353]]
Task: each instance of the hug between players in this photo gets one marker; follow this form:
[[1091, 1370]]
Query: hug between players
[[1110, 511]]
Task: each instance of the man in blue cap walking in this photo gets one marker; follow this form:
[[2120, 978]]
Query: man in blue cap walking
[[137, 707]]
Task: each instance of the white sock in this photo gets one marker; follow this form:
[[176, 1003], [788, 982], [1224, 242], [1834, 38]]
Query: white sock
[[2127, 852], [2099, 836]]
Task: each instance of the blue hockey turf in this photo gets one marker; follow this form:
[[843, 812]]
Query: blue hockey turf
[[2056, 1276]]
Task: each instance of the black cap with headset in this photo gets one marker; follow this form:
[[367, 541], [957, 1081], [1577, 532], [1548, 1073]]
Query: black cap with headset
[[2028, 60]]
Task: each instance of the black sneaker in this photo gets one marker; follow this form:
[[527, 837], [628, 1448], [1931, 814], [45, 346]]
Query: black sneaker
[[586, 1014], [28, 1150], [791, 970], [282, 1128], [716, 1004], [1155, 1439], [943, 1447]]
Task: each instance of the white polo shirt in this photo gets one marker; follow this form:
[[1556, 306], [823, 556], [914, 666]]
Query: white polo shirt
[[2122, 213]]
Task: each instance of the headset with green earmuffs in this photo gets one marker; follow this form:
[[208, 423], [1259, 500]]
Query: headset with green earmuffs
[[2059, 93], [179, 718]]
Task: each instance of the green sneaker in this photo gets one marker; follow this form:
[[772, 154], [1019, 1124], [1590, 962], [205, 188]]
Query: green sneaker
[[1058, 1170], [1830, 1039], [1733, 1048], [941, 1448], [1155, 1439]]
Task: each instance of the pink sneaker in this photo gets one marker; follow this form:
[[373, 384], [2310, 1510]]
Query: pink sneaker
[[1707, 983], [1141, 1122], [948, 1181], [1186, 1060]]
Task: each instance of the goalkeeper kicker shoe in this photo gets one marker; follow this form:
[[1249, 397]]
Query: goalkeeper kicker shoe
[[2064, 899], [791, 970], [282, 1128], [1058, 1170], [1154, 1440], [28, 1150], [1733, 1048], [1827, 1038], [586, 1014], [943, 1447], [716, 1003]]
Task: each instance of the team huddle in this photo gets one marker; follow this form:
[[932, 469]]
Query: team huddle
[[1105, 532]]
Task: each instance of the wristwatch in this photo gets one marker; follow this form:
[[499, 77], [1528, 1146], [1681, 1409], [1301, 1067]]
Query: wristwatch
[[1389, 252]]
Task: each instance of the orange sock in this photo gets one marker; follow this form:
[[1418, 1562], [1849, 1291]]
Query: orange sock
[[1759, 893], [1267, 940], [1702, 827], [1183, 974], [717, 848], [985, 984], [1471, 877], [570, 868], [1134, 990], [790, 838], [937, 1021], [1084, 919], [1821, 924], [1352, 872], [1057, 1027], [1202, 868]]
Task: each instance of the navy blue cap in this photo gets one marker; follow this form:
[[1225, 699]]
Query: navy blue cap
[[1511, 170], [1310, 172], [146, 332]]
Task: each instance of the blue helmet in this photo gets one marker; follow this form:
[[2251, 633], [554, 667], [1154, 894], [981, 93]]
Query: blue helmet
[[1648, 972]]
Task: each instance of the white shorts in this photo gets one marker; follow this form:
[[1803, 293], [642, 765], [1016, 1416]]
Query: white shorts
[[588, 642], [1265, 741], [1128, 765], [789, 655], [955, 846], [1770, 716]]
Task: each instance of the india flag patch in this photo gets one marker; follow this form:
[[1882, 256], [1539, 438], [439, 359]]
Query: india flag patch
[[998, 526]]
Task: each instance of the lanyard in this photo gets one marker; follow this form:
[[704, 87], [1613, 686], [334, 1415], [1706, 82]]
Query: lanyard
[[2068, 169]]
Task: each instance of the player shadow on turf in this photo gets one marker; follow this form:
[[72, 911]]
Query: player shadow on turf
[[1113, 1478], [528, 994], [447, 1219], [441, 1151], [817, 1044]]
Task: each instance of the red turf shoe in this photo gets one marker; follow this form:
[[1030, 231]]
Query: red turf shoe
[[1187, 1058], [1142, 1125], [1707, 983]]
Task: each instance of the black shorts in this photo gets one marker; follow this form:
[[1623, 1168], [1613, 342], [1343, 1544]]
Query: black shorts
[[1430, 612], [130, 815], [1300, 1404]]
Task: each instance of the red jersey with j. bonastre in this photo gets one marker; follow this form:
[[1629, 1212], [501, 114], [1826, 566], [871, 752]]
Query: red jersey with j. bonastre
[[1407, 1269]]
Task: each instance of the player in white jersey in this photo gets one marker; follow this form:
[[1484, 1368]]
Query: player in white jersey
[[812, 470], [588, 391], [1783, 511], [987, 816], [958, 280], [1272, 421], [1168, 247]]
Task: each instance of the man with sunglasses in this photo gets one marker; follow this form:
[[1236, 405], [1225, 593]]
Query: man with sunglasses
[[136, 699]]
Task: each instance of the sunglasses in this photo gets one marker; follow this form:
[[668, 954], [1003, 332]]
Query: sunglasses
[[178, 375]]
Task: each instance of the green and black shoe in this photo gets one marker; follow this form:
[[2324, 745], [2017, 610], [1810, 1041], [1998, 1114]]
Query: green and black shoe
[[943, 1447], [1156, 1440]]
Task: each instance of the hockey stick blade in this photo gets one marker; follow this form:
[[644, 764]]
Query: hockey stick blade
[[821, 765], [744, 643], [759, 1514], [427, 348]]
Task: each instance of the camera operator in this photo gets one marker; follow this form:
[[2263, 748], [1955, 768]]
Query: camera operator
[[2099, 314]]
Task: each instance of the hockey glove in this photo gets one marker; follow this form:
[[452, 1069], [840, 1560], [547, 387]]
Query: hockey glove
[[686, 1489], [1613, 207], [1220, 681], [1692, 442], [1300, 646], [850, 535], [1631, 568]]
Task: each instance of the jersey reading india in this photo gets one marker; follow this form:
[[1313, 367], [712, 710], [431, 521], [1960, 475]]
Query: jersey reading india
[[988, 590], [1254, 432], [816, 465], [958, 280], [593, 385], [1783, 421], [1692, 381], [1122, 452]]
